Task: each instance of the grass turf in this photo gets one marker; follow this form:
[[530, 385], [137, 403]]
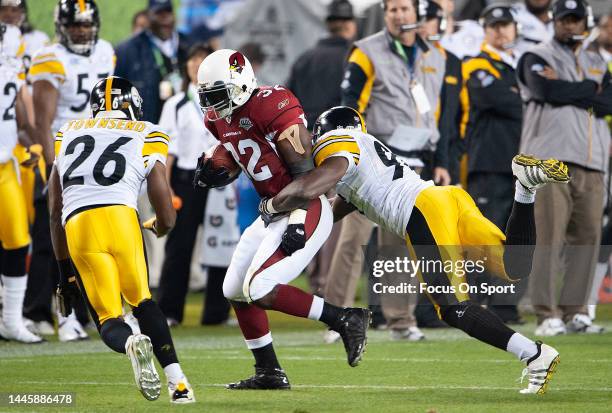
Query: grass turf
[[449, 372], [115, 16]]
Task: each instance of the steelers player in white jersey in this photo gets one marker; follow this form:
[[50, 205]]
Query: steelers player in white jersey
[[14, 227], [100, 165], [437, 222], [62, 76], [15, 12]]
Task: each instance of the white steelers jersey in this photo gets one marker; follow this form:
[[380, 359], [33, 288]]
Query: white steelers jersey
[[33, 41], [380, 185], [11, 81], [73, 75], [105, 161]]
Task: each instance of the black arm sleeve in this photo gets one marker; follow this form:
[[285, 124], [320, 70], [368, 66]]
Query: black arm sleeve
[[355, 80], [555, 92], [601, 102], [491, 94], [449, 110]]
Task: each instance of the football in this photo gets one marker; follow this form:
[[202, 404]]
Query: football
[[222, 158]]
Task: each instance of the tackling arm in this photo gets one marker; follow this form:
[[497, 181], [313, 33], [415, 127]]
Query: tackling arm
[[311, 185]]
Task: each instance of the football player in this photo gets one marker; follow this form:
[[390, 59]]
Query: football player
[[15, 12], [14, 226], [264, 130], [100, 166], [62, 75], [368, 177]]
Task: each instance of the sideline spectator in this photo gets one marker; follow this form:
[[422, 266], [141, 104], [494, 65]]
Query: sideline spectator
[[316, 75], [493, 132], [567, 92], [182, 119], [151, 59]]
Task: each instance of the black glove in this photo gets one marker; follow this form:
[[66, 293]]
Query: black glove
[[294, 238], [67, 289], [208, 177], [267, 216]]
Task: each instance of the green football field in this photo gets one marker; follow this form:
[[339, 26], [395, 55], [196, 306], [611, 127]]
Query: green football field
[[449, 372]]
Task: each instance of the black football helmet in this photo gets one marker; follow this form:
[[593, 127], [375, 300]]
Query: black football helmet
[[338, 117], [116, 94], [83, 13]]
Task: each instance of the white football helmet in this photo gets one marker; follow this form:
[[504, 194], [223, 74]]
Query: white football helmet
[[225, 82]]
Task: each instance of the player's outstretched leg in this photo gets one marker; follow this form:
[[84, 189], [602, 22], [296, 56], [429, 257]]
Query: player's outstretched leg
[[351, 323], [153, 324], [541, 360], [531, 174]]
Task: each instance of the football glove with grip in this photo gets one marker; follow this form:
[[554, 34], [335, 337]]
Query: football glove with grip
[[294, 237], [208, 177], [67, 289]]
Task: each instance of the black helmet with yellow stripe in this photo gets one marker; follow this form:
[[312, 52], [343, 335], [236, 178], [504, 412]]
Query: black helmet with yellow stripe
[[338, 117], [116, 97], [77, 23]]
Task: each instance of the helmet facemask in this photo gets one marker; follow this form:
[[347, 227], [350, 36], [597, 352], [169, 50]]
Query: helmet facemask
[[81, 47], [218, 101]]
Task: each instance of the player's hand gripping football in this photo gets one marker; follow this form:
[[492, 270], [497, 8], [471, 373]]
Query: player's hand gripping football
[[294, 237], [207, 176]]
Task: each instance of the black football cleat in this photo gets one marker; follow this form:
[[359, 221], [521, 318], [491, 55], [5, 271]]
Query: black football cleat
[[352, 327], [264, 379]]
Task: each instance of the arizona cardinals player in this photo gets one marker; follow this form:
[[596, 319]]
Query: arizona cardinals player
[[264, 130]]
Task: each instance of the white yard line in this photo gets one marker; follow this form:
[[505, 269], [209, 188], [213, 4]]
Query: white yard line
[[340, 386]]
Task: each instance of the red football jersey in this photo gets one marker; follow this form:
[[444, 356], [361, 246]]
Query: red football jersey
[[251, 134]]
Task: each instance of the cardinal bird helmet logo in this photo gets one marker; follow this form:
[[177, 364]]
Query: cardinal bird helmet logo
[[236, 61]]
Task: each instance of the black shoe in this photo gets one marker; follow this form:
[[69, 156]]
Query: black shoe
[[352, 327], [264, 379]]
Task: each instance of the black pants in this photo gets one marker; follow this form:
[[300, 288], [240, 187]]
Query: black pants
[[494, 196], [174, 281]]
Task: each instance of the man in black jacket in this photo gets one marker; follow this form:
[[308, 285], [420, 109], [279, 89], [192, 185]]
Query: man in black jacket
[[317, 74], [151, 59], [494, 128]]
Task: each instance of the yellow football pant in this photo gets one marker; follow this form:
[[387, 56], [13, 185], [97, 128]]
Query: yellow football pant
[[460, 232], [14, 227], [107, 248], [28, 178]]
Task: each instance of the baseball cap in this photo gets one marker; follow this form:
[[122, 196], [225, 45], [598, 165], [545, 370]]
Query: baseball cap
[[340, 10], [496, 13], [160, 5], [564, 8]]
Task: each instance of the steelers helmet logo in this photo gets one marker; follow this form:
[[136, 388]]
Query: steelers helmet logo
[[236, 62], [136, 97]]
